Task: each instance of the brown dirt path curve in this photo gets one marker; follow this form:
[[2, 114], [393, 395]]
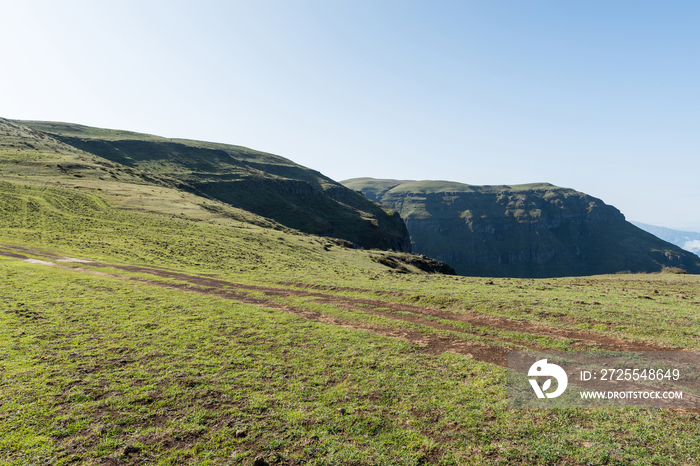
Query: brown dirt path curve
[[496, 353]]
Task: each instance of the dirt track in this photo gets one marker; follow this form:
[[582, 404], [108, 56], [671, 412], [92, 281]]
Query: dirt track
[[495, 353]]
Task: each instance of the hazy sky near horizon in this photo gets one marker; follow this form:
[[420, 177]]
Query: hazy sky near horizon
[[599, 96]]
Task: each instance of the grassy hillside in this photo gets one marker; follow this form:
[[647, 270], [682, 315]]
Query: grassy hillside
[[264, 184], [142, 324], [34, 158], [86, 224], [532, 230], [137, 338]]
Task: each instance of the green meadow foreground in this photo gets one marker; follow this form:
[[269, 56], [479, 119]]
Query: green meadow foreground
[[216, 341], [145, 322]]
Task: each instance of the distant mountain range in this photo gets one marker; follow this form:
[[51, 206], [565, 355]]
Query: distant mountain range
[[533, 230], [688, 240]]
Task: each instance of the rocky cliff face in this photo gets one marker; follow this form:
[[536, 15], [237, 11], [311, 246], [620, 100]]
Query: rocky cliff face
[[535, 230]]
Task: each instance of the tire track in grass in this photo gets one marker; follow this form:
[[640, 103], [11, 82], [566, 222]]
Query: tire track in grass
[[431, 343], [599, 340], [418, 315]]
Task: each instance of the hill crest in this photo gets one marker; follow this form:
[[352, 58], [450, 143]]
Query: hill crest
[[264, 184]]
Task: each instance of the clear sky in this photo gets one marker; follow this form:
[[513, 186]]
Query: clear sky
[[599, 96]]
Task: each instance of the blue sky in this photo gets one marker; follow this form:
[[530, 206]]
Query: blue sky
[[598, 96]]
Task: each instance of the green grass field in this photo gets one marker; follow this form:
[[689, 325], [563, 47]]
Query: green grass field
[[300, 351], [141, 323], [96, 369]]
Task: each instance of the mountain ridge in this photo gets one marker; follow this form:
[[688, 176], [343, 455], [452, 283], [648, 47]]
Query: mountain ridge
[[530, 230], [263, 184]]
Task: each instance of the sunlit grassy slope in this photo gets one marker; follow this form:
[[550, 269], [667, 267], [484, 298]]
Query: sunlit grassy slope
[[97, 368], [86, 224], [265, 184], [33, 158]]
